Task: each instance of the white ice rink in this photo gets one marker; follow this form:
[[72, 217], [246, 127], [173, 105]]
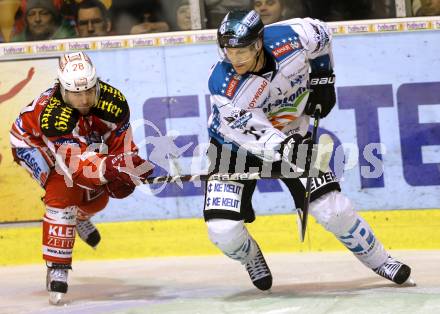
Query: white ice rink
[[303, 283]]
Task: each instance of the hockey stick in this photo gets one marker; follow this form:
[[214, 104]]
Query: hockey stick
[[245, 175], [302, 214], [220, 177]]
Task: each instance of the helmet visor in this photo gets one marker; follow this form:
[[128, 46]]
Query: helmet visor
[[237, 56]]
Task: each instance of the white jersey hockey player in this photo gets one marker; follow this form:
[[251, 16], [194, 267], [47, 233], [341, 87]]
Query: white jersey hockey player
[[263, 92]]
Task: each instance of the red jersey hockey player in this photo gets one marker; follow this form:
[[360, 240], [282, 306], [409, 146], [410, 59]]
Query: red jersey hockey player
[[75, 139]]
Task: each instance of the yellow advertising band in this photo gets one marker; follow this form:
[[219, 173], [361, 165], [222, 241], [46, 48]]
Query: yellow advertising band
[[397, 229]]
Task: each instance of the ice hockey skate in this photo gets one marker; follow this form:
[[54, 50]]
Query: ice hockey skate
[[88, 232], [259, 272], [395, 271], [56, 282]]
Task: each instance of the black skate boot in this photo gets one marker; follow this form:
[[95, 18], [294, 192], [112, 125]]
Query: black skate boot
[[259, 271], [88, 232], [56, 281], [395, 271]]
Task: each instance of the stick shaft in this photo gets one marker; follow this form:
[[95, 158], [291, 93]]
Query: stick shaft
[[221, 177], [305, 211]]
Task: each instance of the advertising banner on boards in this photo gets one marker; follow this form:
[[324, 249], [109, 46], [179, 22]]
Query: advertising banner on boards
[[385, 126]]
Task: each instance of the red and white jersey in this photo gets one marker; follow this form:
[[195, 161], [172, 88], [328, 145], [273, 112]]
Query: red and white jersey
[[76, 144]]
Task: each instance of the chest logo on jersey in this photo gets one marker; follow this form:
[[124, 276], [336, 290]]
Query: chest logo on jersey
[[232, 86], [297, 81], [258, 94], [292, 101], [286, 48], [238, 118]]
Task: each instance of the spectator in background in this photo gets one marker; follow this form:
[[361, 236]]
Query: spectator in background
[[182, 15], [270, 11], [217, 9], [43, 21], [92, 19], [426, 7], [137, 17], [383, 9]]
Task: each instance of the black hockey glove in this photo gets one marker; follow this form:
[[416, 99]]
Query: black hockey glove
[[291, 151], [322, 92]]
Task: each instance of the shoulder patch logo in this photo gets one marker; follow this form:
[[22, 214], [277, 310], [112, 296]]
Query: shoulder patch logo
[[112, 105], [109, 107], [63, 118], [57, 118], [321, 37], [286, 48]]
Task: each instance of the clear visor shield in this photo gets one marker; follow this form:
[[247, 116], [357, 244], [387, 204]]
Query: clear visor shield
[[238, 56], [81, 99]]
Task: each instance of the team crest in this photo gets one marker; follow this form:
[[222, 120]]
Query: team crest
[[238, 118]]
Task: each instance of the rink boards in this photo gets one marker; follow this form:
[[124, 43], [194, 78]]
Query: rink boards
[[386, 128], [397, 230]]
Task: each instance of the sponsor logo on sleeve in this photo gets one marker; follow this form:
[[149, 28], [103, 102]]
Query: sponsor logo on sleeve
[[258, 94], [286, 48], [232, 86]]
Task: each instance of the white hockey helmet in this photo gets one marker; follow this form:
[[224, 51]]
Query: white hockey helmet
[[76, 72]]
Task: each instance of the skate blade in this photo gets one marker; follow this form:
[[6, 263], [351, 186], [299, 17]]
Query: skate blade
[[55, 298], [409, 283]]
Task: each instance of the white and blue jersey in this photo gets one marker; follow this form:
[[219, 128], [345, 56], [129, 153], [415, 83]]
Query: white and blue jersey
[[258, 112]]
